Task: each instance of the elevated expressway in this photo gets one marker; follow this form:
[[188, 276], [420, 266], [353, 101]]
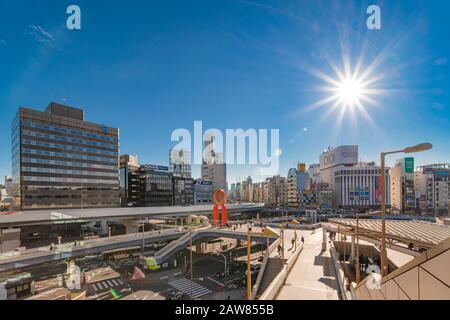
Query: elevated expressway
[[39, 217]]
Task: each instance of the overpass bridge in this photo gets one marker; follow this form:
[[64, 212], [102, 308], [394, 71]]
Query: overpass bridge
[[184, 241]]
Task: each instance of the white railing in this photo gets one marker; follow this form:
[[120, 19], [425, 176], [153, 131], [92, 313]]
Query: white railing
[[269, 251], [340, 275]]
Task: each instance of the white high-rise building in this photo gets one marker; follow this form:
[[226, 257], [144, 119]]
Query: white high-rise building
[[214, 168], [353, 184]]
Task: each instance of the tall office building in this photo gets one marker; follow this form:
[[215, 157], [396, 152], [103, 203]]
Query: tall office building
[[183, 191], [129, 181], [213, 167], [180, 163], [246, 190], [158, 185], [59, 160]]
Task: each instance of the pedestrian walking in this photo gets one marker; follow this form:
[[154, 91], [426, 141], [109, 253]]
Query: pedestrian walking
[[303, 240], [292, 244]]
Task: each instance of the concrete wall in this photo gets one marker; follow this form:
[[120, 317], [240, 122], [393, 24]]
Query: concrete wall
[[9, 240], [427, 277]]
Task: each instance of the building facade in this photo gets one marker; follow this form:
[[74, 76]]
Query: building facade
[[296, 182], [403, 198], [158, 185], [353, 184], [59, 160], [129, 181], [359, 186], [213, 167], [277, 192], [180, 163], [203, 192], [432, 184], [8, 185], [183, 191]]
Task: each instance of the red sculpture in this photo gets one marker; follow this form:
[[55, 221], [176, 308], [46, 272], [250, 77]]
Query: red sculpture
[[220, 203]]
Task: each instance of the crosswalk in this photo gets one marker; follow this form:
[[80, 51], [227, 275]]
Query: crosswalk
[[184, 285], [107, 284]]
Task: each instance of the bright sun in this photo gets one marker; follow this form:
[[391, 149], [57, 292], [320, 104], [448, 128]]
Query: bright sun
[[349, 92]]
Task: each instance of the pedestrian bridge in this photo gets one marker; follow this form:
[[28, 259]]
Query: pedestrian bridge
[[184, 241], [29, 257]]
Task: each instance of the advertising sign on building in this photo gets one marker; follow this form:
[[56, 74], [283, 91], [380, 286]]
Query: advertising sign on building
[[338, 156], [409, 165], [378, 189]]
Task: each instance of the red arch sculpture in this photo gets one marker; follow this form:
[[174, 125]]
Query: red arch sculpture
[[220, 203]]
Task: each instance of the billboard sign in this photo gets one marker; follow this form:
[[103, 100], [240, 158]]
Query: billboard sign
[[343, 155], [409, 165], [378, 192]]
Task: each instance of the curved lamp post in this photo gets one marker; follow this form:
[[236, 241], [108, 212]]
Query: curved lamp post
[[417, 148]]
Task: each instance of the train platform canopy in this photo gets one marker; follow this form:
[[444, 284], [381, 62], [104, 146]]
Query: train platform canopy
[[423, 234]]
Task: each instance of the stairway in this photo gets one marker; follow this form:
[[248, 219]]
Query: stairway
[[272, 269]]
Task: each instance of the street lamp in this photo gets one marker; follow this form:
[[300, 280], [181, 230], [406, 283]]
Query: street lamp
[[417, 148], [190, 258], [249, 275]]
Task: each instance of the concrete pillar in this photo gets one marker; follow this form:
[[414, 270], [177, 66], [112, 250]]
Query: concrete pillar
[[198, 247], [104, 227], [324, 238], [131, 226], [9, 239]]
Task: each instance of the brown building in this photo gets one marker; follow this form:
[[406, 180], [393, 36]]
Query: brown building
[[59, 160]]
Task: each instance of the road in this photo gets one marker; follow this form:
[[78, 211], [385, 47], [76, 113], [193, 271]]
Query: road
[[312, 277], [28, 257]]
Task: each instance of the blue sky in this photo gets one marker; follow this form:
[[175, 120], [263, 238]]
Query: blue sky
[[149, 67]]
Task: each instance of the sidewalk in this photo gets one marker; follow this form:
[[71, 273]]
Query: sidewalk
[[312, 277]]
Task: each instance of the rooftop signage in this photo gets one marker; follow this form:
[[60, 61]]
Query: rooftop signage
[[343, 155]]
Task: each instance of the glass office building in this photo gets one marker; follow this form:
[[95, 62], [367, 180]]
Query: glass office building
[[59, 160], [158, 186]]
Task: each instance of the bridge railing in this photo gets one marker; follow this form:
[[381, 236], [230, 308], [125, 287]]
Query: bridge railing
[[269, 251]]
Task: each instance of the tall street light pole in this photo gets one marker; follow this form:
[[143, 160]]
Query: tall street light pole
[[417, 148], [190, 257], [249, 275], [358, 266]]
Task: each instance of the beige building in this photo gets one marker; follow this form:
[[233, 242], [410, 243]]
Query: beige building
[[258, 192], [277, 192], [402, 188], [214, 168], [432, 184]]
